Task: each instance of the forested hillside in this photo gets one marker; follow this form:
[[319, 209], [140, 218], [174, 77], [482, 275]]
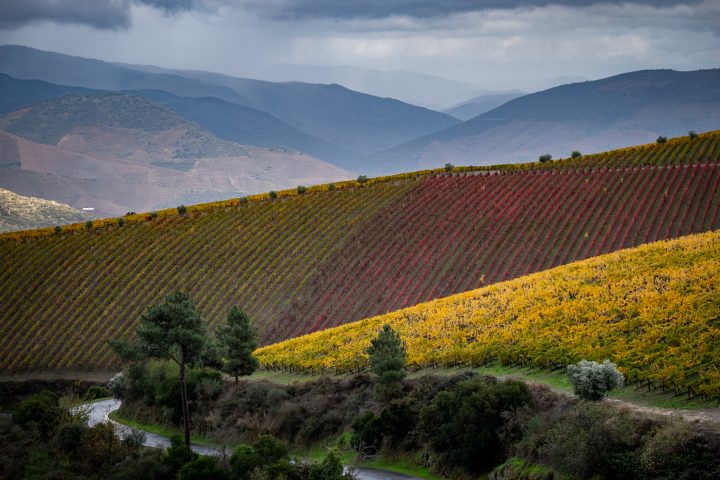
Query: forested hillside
[[301, 261]]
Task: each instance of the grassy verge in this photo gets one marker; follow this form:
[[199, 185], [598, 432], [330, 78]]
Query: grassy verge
[[159, 429], [281, 378], [558, 380]]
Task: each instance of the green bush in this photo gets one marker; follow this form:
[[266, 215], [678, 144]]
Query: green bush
[[545, 158], [692, 134], [366, 434], [362, 179], [89, 225], [41, 411], [449, 167], [96, 392], [461, 425], [58, 229], [592, 380], [273, 194], [153, 215], [202, 468], [244, 200], [182, 209], [662, 139], [301, 189], [575, 154], [331, 187], [120, 221]]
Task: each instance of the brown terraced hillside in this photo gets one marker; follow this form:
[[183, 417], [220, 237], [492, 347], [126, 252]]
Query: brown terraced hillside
[[303, 262]]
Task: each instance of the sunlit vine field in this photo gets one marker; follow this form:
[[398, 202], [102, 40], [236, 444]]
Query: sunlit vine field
[[654, 310]]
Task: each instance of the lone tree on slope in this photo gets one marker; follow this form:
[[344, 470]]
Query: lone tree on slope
[[238, 338], [173, 330], [387, 361]]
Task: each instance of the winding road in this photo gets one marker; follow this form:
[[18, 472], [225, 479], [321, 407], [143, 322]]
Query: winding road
[[99, 411]]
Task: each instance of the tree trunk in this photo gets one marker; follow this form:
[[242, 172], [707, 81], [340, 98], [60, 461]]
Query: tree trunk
[[184, 400]]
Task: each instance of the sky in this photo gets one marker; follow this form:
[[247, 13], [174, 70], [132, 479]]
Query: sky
[[499, 44]]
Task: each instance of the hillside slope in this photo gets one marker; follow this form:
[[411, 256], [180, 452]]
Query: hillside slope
[[653, 309], [23, 213], [120, 153], [300, 263], [594, 116]]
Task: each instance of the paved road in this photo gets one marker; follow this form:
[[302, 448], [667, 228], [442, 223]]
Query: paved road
[[99, 412]]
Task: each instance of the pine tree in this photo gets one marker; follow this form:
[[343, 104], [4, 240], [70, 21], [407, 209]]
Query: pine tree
[[387, 361], [173, 330], [239, 340]]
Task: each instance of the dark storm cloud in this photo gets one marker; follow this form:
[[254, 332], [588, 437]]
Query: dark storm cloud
[[375, 9], [101, 14]]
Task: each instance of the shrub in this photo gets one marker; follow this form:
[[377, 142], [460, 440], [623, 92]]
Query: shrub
[[592, 439], [362, 179], [41, 411], [153, 214], [366, 434], [89, 225], [244, 460], [661, 139], [117, 385], [270, 449], [592, 380], [273, 194], [120, 221], [301, 189], [449, 167], [331, 187], [202, 468], [545, 158], [244, 200], [461, 425], [178, 454], [692, 134], [182, 209], [58, 229], [96, 392], [575, 154], [397, 420]]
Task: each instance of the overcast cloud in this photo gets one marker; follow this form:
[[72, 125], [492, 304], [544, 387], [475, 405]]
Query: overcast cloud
[[494, 43]]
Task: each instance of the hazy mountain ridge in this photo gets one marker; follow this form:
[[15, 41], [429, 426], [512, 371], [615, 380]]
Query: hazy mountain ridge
[[481, 104], [348, 124], [18, 212], [117, 152], [614, 112]]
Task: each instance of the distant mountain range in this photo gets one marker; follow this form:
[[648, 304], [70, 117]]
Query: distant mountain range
[[348, 125], [23, 213], [481, 104], [618, 111], [117, 152]]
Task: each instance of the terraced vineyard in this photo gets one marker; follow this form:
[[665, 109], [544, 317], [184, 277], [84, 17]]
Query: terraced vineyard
[[653, 309], [299, 263]]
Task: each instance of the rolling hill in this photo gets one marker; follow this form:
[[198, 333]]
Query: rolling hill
[[24, 213], [120, 153], [594, 116], [301, 262], [653, 309]]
